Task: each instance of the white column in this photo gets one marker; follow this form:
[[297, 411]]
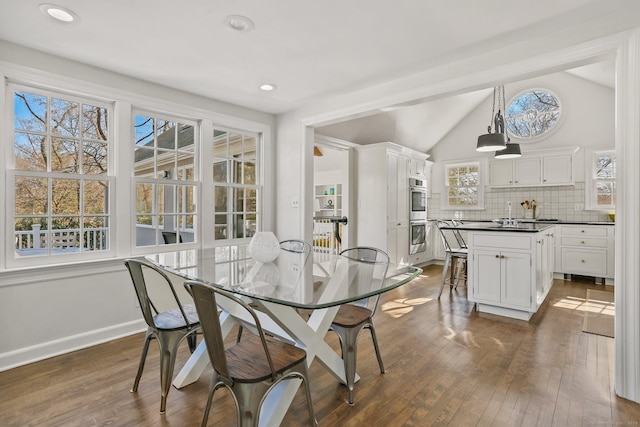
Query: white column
[[627, 228]]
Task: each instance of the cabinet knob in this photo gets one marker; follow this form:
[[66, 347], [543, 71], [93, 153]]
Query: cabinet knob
[[544, 180], [582, 242], [582, 260], [502, 256], [582, 231]]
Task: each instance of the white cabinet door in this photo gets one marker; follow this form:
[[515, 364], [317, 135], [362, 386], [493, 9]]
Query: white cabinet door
[[527, 171], [398, 244], [516, 279], [501, 172], [487, 276], [503, 278], [557, 169], [429, 240], [397, 189], [417, 168]]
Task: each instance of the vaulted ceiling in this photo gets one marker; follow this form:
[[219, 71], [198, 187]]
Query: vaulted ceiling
[[311, 50]]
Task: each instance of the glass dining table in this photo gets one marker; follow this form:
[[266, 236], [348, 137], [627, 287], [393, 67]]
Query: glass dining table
[[278, 287]]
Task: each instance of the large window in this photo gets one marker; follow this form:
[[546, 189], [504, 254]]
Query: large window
[[61, 175], [463, 186], [237, 184], [532, 114], [602, 190], [165, 180]]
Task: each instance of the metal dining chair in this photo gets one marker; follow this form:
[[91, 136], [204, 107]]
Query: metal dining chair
[[354, 317], [455, 255], [168, 320], [170, 237], [251, 368]]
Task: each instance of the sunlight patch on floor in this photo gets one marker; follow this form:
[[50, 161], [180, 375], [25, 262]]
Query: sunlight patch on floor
[[582, 305], [399, 307]]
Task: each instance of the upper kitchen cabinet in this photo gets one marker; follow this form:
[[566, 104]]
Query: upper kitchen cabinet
[[534, 169], [418, 166]]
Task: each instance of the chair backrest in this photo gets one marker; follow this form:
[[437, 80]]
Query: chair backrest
[[377, 259], [294, 245], [448, 237], [170, 237], [456, 233], [154, 289], [204, 297]]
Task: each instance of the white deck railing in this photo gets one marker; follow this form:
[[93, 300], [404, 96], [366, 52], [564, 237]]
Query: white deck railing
[[93, 239], [324, 238]]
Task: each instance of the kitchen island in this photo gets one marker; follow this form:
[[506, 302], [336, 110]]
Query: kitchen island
[[510, 268]]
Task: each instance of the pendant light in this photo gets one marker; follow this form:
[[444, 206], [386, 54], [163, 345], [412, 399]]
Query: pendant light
[[496, 140], [512, 150]]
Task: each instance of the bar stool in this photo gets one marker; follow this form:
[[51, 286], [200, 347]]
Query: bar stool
[[456, 254]]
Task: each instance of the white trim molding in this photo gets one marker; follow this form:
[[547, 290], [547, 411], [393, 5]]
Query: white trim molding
[[627, 244]]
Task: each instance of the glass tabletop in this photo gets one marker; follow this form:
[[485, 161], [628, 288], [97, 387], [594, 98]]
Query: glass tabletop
[[297, 279]]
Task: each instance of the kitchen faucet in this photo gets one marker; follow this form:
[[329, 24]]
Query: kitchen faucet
[[509, 222]]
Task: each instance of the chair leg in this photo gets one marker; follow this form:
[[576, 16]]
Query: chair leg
[[169, 341], [375, 344], [348, 342], [239, 337], [213, 386], [192, 341], [143, 357], [307, 387], [447, 260]]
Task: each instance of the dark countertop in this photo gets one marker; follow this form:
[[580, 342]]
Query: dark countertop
[[522, 227]]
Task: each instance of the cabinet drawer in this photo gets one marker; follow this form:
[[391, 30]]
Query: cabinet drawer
[[589, 242], [502, 241], [584, 261], [592, 231]]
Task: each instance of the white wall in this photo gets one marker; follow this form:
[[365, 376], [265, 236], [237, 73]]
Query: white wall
[[588, 120], [51, 310]]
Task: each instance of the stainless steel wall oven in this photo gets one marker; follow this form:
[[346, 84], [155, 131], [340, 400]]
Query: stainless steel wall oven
[[417, 237], [417, 199]]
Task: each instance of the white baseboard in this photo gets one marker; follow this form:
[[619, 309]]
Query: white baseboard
[[24, 356]]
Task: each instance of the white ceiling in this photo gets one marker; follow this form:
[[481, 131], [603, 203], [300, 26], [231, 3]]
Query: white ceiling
[[423, 125], [311, 50]]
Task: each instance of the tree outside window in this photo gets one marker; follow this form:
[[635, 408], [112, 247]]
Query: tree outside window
[[462, 186], [61, 175], [603, 180], [532, 114]]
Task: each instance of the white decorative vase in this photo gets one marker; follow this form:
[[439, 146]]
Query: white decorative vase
[[264, 246]]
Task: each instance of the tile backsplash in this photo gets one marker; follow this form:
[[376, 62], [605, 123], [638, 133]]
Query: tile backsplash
[[553, 202]]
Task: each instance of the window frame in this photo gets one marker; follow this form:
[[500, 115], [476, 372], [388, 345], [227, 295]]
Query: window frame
[[591, 180], [481, 165], [231, 186], [544, 135], [11, 259], [156, 181]]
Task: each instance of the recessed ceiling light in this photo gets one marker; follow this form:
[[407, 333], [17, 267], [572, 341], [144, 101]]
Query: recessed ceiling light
[[58, 13], [268, 87], [239, 23]]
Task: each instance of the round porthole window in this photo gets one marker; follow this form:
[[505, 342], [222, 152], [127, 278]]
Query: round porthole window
[[532, 114]]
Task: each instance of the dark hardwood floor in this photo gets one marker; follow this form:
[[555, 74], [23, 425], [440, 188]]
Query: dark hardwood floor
[[447, 365]]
